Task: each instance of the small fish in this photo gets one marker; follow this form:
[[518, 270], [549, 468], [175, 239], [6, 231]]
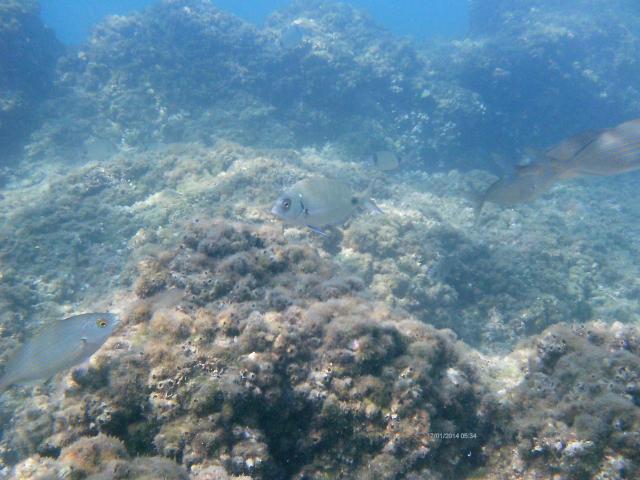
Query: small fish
[[58, 346], [317, 202], [385, 160]]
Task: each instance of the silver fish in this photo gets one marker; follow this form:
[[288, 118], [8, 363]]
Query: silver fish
[[605, 152], [530, 182], [610, 151], [317, 202], [385, 160], [58, 346]]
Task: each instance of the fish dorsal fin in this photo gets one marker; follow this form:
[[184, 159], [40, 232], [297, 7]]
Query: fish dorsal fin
[[572, 146]]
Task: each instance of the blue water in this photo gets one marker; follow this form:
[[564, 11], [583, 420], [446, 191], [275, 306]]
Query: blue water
[[73, 19]]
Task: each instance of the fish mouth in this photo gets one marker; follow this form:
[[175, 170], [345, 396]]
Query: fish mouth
[[274, 211]]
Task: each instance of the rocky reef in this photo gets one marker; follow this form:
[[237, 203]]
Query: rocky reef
[[235, 330], [28, 53], [245, 352], [318, 72], [422, 343], [185, 71], [493, 281], [577, 410], [538, 66]]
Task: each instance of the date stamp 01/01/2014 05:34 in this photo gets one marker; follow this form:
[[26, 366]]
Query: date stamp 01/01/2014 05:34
[[453, 435]]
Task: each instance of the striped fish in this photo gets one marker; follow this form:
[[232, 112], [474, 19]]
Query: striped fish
[[603, 152], [58, 346], [318, 201], [529, 182]]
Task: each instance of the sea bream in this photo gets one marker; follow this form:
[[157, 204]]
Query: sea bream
[[385, 160], [606, 152], [529, 182], [601, 153], [57, 346], [318, 202]]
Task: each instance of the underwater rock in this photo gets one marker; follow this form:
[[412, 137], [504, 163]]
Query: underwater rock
[[247, 351], [222, 78], [577, 412], [233, 332], [99, 458], [490, 295], [213, 378], [553, 59], [28, 53]]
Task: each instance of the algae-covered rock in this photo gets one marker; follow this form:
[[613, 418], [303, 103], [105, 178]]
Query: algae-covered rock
[[577, 412], [186, 71], [554, 60], [215, 376], [28, 53]]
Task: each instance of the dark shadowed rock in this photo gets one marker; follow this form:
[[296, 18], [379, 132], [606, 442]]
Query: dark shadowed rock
[[28, 52]]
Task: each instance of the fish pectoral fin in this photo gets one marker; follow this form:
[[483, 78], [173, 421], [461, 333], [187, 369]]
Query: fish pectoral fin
[[372, 207], [317, 230], [477, 201], [82, 346]]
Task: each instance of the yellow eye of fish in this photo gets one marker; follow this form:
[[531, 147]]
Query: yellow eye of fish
[[101, 323]]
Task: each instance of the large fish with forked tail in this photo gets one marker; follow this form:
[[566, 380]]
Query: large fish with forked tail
[[604, 152]]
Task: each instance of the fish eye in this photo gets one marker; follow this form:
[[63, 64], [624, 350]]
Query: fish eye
[[101, 322], [286, 203]]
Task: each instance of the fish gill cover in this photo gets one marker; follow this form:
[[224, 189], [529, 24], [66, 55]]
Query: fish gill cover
[[414, 344]]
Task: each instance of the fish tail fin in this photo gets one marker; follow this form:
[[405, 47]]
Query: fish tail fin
[[477, 198], [478, 201]]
